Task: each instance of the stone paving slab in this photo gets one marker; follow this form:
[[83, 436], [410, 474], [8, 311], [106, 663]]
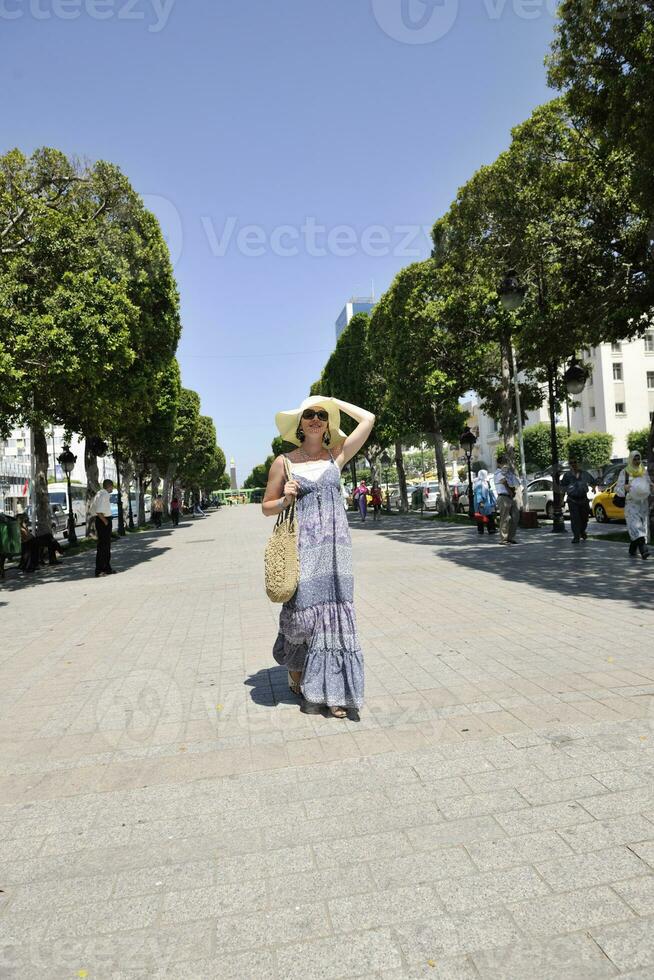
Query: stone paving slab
[[167, 811]]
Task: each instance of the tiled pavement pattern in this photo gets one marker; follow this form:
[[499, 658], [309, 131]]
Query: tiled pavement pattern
[[168, 812]]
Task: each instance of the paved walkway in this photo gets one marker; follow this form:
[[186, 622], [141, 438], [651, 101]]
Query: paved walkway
[[167, 811]]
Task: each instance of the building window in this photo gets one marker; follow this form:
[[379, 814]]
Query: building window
[[650, 379], [617, 371], [649, 342], [616, 347], [619, 408], [589, 379], [592, 411]]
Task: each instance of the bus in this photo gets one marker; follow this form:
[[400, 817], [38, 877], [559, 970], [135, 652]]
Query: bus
[[135, 506], [58, 494]]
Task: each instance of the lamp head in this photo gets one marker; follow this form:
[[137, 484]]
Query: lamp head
[[510, 292], [67, 460], [575, 377], [467, 440]]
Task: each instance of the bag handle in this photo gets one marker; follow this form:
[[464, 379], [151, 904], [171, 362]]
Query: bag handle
[[289, 511]]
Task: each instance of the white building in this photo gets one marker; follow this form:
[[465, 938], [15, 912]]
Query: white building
[[618, 398]]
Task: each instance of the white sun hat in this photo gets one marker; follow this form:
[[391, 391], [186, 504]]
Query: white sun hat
[[287, 422]]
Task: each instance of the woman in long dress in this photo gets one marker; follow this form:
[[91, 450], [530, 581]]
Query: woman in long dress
[[635, 486], [317, 640]]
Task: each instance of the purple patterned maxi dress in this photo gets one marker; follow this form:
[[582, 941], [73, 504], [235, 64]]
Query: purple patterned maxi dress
[[317, 627]]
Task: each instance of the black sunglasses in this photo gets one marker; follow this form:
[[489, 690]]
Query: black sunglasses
[[309, 414]]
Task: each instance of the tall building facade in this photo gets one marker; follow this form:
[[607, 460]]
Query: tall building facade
[[356, 304]]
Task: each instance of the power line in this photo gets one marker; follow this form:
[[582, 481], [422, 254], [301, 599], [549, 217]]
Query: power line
[[290, 353]]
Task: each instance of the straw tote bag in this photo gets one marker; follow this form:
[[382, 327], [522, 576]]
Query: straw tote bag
[[282, 562]]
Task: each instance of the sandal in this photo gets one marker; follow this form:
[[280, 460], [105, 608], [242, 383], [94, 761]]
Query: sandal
[[338, 712], [294, 686]]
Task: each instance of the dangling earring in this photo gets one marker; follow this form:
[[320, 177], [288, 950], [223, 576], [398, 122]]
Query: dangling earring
[[299, 434], [326, 439]]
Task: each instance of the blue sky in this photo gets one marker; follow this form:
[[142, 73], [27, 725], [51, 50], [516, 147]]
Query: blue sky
[[293, 150]]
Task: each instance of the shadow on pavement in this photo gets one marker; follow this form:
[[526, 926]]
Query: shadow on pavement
[[125, 553], [269, 687], [595, 568]]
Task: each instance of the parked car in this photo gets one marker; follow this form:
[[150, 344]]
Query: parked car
[[58, 519], [603, 508], [459, 493], [610, 475], [540, 496], [430, 496]]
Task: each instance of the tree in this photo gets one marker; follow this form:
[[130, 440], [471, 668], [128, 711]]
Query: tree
[[637, 441], [259, 476], [538, 445], [65, 312], [428, 351], [560, 213], [603, 58], [88, 304], [591, 449]]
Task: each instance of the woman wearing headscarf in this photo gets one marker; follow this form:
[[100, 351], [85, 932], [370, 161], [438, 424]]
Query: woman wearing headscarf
[[361, 499], [635, 486], [485, 503], [317, 640]]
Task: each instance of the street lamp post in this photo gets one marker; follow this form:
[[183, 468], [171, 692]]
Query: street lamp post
[[558, 524], [67, 462], [385, 460], [468, 440]]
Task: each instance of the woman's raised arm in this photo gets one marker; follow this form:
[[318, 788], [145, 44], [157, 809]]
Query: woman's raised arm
[[361, 434]]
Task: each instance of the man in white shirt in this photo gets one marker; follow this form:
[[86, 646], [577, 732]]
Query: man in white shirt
[[101, 510], [506, 486]]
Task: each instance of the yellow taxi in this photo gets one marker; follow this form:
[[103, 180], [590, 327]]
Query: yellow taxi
[[603, 507]]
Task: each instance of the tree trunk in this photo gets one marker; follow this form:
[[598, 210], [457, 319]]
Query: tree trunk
[[155, 481], [121, 513], [128, 476], [650, 469], [168, 487], [92, 486], [353, 471], [372, 463], [401, 477], [141, 500], [445, 504], [507, 410], [41, 520]]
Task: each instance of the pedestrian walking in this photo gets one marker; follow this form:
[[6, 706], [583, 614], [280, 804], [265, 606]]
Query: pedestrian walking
[[485, 503], [377, 500], [361, 499], [506, 486], [318, 641], [157, 510], [634, 488], [174, 511], [576, 484], [101, 511]]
